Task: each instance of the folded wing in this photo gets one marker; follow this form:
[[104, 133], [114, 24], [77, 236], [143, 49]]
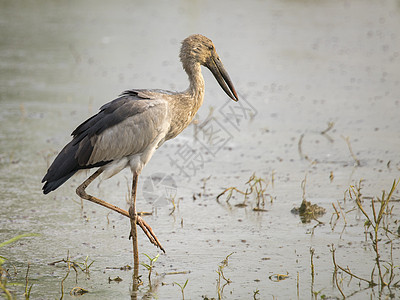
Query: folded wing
[[123, 127]]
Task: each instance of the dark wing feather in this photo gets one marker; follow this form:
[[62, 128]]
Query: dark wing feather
[[75, 155], [110, 114]]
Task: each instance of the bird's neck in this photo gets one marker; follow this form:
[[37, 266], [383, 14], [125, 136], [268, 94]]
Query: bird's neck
[[196, 87], [185, 107]]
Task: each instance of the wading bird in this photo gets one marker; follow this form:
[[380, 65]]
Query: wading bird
[[127, 130]]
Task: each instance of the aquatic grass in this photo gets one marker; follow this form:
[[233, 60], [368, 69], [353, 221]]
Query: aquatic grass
[[256, 186], [12, 240], [175, 205], [306, 210], [150, 265], [312, 252], [377, 232], [3, 287], [300, 149], [66, 276], [204, 180], [353, 192], [3, 281], [329, 128], [356, 160], [4, 273], [374, 222], [27, 293], [83, 266], [324, 133], [314, 294], [182, 287], [338, 213], [255, 294], [220, 272]]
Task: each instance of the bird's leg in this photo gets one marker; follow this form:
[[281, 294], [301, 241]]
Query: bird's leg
[[133, 216], [141, 222], [82, 193], [149, 232]]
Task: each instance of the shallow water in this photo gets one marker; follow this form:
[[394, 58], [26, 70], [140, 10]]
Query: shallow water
[[297, 66]]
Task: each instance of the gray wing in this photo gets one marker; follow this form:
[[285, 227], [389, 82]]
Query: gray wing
[[124, 126], [133, 135]]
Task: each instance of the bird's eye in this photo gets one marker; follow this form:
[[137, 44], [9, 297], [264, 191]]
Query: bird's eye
[[210, 47]]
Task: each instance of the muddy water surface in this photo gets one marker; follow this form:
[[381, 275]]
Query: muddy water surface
[[297, 65]]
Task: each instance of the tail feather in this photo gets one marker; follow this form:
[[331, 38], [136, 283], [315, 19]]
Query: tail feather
[[63, 167], [76, 154], [67, 163], [50, 186]]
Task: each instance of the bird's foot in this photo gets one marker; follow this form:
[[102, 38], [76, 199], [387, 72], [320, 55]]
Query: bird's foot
[[148, 232]]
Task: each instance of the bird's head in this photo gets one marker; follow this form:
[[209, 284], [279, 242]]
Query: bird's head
[[198, 49]]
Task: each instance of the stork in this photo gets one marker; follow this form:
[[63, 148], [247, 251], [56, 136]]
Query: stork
[[127, 131]]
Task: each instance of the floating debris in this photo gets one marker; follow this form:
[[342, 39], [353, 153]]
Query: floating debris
[[78, 291], [308, 211], [278, 277], [116, 279]]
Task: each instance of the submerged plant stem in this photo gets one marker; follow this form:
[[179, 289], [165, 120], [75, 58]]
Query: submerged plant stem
[[347, 140]]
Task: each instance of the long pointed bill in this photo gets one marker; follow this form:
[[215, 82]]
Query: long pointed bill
[[219, 72]]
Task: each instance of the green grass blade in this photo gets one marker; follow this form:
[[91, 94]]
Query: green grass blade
[[16, 238]]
